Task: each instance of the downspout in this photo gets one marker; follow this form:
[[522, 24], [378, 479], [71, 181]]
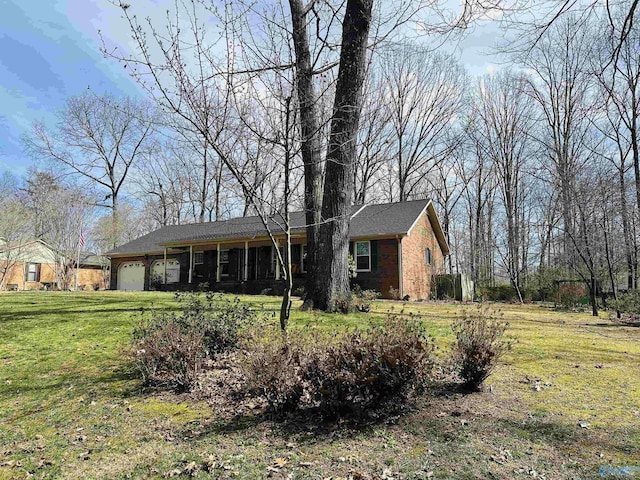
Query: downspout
[[400, 273], [190, 263]]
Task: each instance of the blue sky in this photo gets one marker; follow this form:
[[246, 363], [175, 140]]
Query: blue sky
[[49, 50]]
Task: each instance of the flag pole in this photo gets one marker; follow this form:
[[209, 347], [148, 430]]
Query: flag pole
[[80, 244], [77, 267]]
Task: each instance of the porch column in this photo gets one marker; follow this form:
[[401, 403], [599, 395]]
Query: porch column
[[277, 262], [164, 274], [246, 261], [218, 263], [190, 263]]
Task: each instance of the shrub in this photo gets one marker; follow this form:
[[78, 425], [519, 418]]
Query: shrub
[[168, 347], [352, 371], [394, 293], [479, 345], [366, 369], [273, 369], [155, 282], [628, 303], [216, 316], [299, 292], [571, 294], [167, 356], [357, 300], [500, 293]]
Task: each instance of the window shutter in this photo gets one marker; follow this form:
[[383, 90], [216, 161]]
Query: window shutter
[[351, 252], [374, 254], [38, 272]]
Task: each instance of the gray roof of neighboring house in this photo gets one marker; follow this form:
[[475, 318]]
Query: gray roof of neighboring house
[[369, 220], [92, 260]]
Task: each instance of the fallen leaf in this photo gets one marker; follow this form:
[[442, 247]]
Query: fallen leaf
[[173, 473]]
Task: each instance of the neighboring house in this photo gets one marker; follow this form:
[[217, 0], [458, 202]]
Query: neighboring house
[[397, 248], [32, 266]]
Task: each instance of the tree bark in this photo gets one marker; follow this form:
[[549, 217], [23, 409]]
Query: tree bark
[[310, 144], [333, 245]]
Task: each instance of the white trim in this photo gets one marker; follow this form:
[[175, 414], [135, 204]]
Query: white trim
[[422, 212], [359, 210], [275, 256], [218, 263], [355, 255], [164, 272]]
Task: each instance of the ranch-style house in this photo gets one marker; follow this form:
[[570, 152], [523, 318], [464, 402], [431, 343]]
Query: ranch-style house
[[398, 248]]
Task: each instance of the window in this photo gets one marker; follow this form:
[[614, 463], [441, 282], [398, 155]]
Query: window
[[427, 256], [32, 272], [363, 256], [224, 263], [303, 258], [198, 264]]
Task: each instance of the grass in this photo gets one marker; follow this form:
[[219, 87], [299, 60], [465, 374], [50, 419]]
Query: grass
[[70, 407]]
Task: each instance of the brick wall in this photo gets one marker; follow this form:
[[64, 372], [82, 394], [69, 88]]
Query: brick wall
[[16, 276], [90, 277], [417, 275], [384, 272]]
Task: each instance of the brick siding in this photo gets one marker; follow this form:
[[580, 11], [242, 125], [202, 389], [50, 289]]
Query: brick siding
[[417, 276], [384, 272]]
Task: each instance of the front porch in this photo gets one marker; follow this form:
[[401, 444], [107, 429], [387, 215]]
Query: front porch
[[246, 267]]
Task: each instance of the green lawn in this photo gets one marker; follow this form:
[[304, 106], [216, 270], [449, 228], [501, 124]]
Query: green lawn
[[565, 401]]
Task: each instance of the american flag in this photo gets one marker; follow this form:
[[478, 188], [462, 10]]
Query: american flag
[[81, 239]]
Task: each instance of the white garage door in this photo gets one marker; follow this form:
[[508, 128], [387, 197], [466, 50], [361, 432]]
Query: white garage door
[[131, 276], [173, 271]]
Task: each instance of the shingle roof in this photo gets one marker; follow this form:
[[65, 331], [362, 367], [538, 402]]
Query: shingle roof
[[386, 219], [370, 220]]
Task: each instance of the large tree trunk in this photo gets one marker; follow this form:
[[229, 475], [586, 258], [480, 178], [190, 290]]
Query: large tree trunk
[[333, 245], [310, 144]]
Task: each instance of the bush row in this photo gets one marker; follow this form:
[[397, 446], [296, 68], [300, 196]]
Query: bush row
[[345, 372], [352, 371]]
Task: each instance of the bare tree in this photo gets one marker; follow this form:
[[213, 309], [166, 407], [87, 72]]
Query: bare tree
[[561, 86], [97, 139], [15, 231], [619, 81], [424, 93], [506, 117]]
